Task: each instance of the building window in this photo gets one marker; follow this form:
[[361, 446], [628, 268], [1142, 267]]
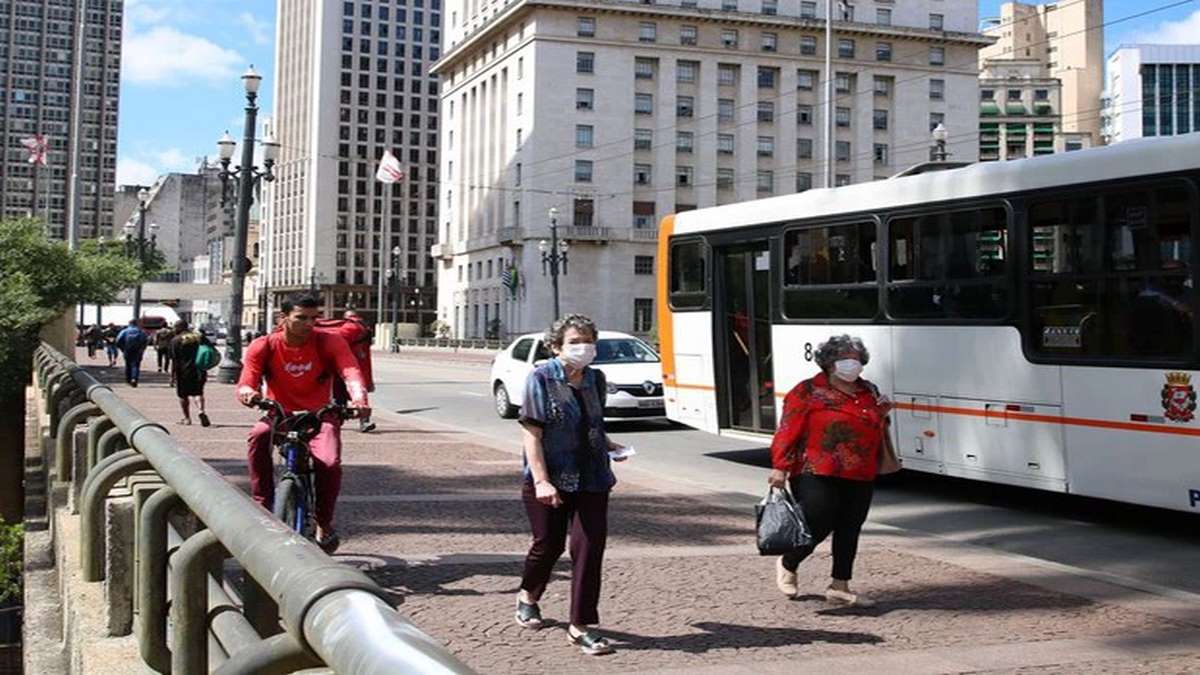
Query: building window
[[937, 56], [808, 45], [937, 22], [937, 90], [685, 71], [766, 146], [729, 39], [1074, 145], [647, 31], [987, 94], [804, 115], [641, 174], [585, 62], [727, 74], [643, 104], [764, 182], [685, 106], [767, 77], [770, 7], [643, 68], [845, 49], [584, 99], [724, 179], [883, 85], [519, 138], [842, 151], [804, 148], [806, 79], [880, 119], [770, 42], [687, 35], [729, 5], [643, 264], [883, 51], [584, 209], [843, 83], [683, 176], [1041, 94], [585, 27], [643, 139], [583, 171], [881, 153], [883, 17], [725, 110], [1014, 94], [583, 136], [725, 144], [808, 10], [684, 141], [841, 180], [803, 181], [643, 215], [766, 111], [935, 119], [842, 117], [643, 315]]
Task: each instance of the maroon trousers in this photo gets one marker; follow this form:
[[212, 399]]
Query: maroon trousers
[[585, 515], [326, 451]]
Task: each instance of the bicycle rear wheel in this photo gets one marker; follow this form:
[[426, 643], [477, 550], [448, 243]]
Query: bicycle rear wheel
[[291, 506]]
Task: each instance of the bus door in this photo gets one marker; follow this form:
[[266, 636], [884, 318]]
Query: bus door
[[745, 380]]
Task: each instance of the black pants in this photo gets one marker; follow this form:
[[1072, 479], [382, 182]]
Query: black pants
[[832, 505], [586, 515]]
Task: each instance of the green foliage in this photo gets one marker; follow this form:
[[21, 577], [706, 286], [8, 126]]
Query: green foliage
[[11, 561], [39, 280]]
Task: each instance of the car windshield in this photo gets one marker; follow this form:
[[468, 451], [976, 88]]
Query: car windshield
[[624, 350]]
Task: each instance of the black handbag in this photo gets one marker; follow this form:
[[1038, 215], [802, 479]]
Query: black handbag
[[780, 524]]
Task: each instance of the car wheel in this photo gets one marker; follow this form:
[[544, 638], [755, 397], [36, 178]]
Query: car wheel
[[504, 408]]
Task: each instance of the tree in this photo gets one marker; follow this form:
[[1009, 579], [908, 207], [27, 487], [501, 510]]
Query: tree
[[40, 279]]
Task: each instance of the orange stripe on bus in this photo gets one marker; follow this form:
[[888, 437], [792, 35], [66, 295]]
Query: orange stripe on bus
[[666, 320], [700, 387]]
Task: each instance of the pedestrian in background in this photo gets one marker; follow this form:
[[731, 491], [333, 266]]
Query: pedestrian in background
[[189, 378], [110, 343], [568, 478], [356, 334], [132, 342], [95, 339], [162, 347], [829, 446]]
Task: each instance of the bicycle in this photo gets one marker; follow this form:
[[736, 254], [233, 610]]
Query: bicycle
[[295, 490]]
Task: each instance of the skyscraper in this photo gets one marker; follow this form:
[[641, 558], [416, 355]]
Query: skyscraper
[[1153, 90], [352, 82], [61, 73]]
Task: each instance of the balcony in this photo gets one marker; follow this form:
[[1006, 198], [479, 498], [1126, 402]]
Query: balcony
[[643, 234], [509, 236], [588, 233]]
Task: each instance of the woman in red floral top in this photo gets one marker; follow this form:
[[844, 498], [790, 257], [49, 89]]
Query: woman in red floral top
[[828, 447]]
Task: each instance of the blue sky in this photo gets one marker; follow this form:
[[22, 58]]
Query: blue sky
[[182, 59]]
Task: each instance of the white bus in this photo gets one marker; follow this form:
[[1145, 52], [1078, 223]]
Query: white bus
[[1035, 321]]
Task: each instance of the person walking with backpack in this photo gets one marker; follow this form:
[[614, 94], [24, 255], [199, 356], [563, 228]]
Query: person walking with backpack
[[358, 336], [132, 342], [298, 364], [193, 356], [162, 347]]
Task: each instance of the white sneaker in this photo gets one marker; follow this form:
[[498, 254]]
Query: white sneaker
[[785, 580], [848, 598]]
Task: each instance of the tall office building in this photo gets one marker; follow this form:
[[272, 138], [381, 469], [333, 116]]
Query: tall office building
[[1067, 38], [352, 81], [61, 70], [617, 115], [1020, 112], [1153, 90]]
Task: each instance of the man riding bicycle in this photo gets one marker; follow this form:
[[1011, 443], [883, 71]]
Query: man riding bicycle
[[299, 365]]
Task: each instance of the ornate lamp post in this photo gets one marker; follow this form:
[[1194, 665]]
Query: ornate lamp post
[[554, 257], [137, 246], [939, 142], [246, 176]]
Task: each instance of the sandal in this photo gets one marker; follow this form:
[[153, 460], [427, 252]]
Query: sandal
[[529, 616], [591, 643]]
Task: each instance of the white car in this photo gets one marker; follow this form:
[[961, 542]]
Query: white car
[[631, 366]]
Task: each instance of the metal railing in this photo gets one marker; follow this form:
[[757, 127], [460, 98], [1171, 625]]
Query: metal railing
[[453, 343], [329, 613]]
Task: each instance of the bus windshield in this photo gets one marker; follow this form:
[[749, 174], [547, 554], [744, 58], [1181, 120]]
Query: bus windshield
[[624, 350]]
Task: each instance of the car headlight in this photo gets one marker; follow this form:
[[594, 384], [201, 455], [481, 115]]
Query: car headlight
[[612, 388]]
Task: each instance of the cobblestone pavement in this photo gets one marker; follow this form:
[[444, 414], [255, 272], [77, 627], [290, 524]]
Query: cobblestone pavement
[[434, 517]]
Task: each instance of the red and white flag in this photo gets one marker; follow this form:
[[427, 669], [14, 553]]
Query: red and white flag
[[37, 147], [389, 169]]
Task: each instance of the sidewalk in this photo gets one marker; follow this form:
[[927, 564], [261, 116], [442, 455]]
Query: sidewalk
[[433, 515]]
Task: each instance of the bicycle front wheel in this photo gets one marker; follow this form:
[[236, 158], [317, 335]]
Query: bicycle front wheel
[[291, 506]]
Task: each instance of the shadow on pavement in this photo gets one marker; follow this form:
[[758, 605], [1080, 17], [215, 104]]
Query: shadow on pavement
[[717, 635]]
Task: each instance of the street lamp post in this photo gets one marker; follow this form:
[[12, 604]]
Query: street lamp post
[[246, 175], [939, 142], [395, 297], [554, 257], [137, 247]]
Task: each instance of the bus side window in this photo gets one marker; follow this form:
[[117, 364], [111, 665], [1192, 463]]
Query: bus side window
[[689, 275]]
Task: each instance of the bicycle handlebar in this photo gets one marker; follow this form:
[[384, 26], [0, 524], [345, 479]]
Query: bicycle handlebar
[[344, 412]]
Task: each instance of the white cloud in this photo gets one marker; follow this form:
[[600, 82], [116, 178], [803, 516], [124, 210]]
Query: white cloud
[[260, 31], [1183, 31], [174, 159], [166, 56], [134, 172]]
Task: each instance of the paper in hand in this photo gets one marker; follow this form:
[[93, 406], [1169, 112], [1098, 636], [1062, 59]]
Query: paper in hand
[[623, 453]]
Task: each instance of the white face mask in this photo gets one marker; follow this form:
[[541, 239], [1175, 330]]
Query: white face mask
[[577, 356], [847, 370]]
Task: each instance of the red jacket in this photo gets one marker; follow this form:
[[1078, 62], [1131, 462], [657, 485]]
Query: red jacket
[[356, 334], [301, 378], [828, 433]]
